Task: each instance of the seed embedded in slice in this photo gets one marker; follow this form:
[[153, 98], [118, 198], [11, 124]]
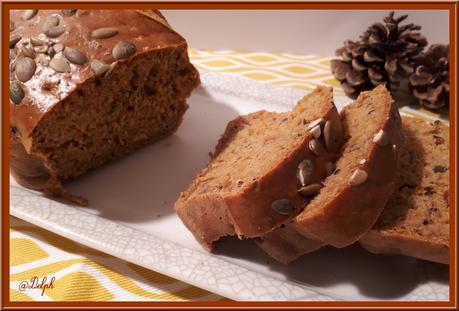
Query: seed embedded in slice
[[16, 92], [317, 147], [330, 137], [104, 33], [75, 56], [381, 138], [310, 190], [315, 131], [25, 69], [51, 21], [55, 31], [283, 206], [358, 177], [14, 39], [69, 12], [60, 64], [123, 49], [99, 67], [29, 14], [313, 124], [304, 171]]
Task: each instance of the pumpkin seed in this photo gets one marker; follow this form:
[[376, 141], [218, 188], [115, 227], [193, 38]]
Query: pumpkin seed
[[29, 14], [60, 64], [14, 39], [104, 33], [26, 51], [25, 69], [51, 52], [381, 138], [330, 137], [40, 49], [16, 92], [51, 21], [55, 31], [58, 47], [310, 190], [36, 41], [358, 177], [304, 171], [99, 67], [317, 147], [313, 124], [69, 12], [315, 131], [283, 206], [123, 49], [75, 56]]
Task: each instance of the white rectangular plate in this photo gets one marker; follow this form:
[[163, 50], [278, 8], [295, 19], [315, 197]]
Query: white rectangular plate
[[131, 216]]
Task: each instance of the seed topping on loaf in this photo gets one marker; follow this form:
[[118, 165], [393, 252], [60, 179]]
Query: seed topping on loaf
[[304, 172], [283, 206]]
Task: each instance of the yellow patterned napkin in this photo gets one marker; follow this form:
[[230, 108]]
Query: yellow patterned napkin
[[83, 274]]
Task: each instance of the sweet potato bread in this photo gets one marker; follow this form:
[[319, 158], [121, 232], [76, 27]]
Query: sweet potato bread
[[355, 195], [415, 221], [251, 184], [91, 86]]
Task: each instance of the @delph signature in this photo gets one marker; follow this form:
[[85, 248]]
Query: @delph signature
[[35, 283]]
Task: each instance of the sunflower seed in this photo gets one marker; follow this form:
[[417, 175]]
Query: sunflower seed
[[330, 137], [381, 138], [123, 49], [58, 47], [310, 190], [26, 51], [315, 131], [14, 39], [16, 92], [55, 31], [99, 67], [313, 124], [29, 14], [75, 56], [69, 12], [317, 147], [51, 52], [358, 177], [363, 161], [104, 33], [283, 206], [304, 171], [25, 69], [329, 168], [36, 41], [60, 64], [51, 21], [11, 25], [40, 49]]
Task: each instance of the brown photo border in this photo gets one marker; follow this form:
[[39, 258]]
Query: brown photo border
[[451, 6]]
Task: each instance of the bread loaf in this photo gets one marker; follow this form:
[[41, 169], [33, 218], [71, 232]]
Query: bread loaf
[[91, 86], [415, 221], [251, 183]]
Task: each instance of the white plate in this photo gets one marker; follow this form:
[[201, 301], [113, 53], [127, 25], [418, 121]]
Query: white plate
[[131, 216]]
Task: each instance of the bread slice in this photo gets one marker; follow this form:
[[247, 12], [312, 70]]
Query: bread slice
[[342, 212], [354, 196], [415, 222], [249, 186]]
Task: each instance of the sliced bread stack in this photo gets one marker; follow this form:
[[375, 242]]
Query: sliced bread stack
[[251, 184]]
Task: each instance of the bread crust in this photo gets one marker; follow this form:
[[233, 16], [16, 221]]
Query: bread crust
[[348, 216]]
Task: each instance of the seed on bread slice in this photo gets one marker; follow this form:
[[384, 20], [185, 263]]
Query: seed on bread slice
[[354, 196], [415, 221], [250, 185]]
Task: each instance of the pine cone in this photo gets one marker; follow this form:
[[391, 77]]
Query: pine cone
[[383, 55], [430, 81]]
